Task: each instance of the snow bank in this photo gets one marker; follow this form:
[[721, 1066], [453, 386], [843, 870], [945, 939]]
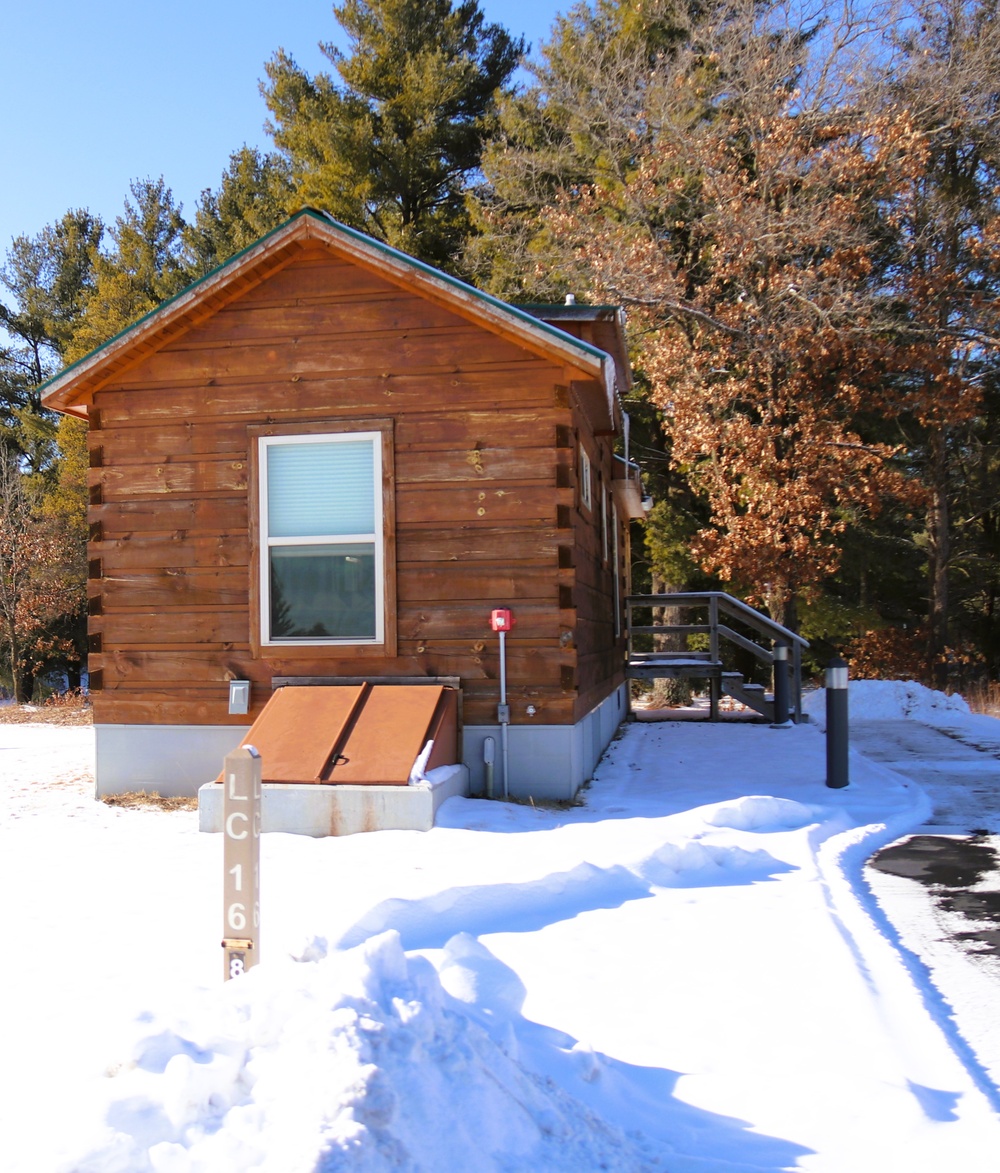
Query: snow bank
[[893, 700], [760, 812], [898, 700], [363, 1061]]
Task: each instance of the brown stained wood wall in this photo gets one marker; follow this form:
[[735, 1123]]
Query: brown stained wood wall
[[599, 662], [487, 509]]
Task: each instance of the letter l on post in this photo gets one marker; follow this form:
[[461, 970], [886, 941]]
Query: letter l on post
[[241, 799]]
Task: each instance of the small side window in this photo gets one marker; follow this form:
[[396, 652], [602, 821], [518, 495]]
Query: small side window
[[604, 523], [617, 579], [586, 494]]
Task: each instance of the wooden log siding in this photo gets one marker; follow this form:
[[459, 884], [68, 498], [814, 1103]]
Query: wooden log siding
[[150, 706], [484, 453], [472, 438], [524, 383], [600, 652]]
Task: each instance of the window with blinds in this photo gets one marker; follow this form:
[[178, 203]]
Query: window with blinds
[[322, 554]]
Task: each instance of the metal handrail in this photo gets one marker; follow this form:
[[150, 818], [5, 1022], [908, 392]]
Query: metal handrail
[[720, 601], [726, 602]]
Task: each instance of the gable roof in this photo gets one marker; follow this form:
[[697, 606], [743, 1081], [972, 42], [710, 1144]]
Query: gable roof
[[73, 388], [605, 324]]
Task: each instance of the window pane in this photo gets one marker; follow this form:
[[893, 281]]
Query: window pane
[[326, 487], [323, 591]]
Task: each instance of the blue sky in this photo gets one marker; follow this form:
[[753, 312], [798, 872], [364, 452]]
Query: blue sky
[[95, 94]]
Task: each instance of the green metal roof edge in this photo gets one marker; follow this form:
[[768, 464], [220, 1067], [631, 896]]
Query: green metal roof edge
[[361, 238], [561, 305], [437, 274], [170, 300]]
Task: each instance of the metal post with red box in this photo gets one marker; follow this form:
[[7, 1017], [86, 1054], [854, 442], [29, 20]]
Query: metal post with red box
[[502, 621]]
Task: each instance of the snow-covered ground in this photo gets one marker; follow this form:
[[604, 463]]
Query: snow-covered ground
[[688, 973], [954, 756]]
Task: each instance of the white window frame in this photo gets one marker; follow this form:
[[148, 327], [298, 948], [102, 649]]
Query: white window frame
[[377, 538], [586, 478], [618, 586], [604, 521]]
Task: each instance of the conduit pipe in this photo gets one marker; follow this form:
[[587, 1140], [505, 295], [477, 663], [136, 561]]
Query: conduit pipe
[[503, 712], [489, 760], [502, 620]]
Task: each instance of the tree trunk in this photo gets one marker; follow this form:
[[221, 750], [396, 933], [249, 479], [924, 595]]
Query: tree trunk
[[25, 686], [669, 692], [671, 642], [16, 682], [938, 556], [782, 605]]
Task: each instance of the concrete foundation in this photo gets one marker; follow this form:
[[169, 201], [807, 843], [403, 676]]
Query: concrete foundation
[[343, 810], [173, 760], [546, 761]]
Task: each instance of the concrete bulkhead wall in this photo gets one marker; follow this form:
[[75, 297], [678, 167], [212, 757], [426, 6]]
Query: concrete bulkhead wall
[[320, 811], [546, 761]]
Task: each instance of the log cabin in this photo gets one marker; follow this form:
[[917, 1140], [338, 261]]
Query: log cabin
[[328, 462]]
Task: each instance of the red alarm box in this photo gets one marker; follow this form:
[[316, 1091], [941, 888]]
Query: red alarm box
[[501, 619]]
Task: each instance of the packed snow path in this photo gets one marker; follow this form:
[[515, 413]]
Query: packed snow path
[[685, 974], [960, 775], [954, 756]]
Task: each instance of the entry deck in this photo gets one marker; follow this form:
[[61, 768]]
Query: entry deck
[[769, 642]]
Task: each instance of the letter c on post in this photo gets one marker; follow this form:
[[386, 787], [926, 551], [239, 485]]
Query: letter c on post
[[230, 822]]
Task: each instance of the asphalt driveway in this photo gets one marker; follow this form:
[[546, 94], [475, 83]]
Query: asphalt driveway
[[940, 886]]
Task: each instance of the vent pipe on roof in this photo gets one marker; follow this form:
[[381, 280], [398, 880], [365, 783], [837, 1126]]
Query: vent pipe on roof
[[571, 299]]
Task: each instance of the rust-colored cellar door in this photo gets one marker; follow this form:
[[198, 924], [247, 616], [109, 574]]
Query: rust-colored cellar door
[[354, 734], [391, 729], [296, 732]]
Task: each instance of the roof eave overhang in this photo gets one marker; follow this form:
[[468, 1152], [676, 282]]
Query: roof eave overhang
[[71, 390]]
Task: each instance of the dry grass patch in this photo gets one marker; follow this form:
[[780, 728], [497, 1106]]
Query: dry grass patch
[[141, 800], [984, 698], [70, 708], [549, 804]]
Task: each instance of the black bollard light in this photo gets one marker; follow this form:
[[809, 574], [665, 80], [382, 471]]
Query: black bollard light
[[781, 689], [836, 724]]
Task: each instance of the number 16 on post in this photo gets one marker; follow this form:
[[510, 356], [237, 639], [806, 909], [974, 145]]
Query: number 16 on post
[[241, 860]]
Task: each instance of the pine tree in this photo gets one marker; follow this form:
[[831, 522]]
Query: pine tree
[[63, 516], [943, 279], [143, 269], [252, 198], [50, 279], [69, 297], [391, 146], [599, 92]]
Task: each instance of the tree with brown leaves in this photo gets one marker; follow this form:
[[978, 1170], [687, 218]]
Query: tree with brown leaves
[[775, 208], [34, 590], [744, 245]]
